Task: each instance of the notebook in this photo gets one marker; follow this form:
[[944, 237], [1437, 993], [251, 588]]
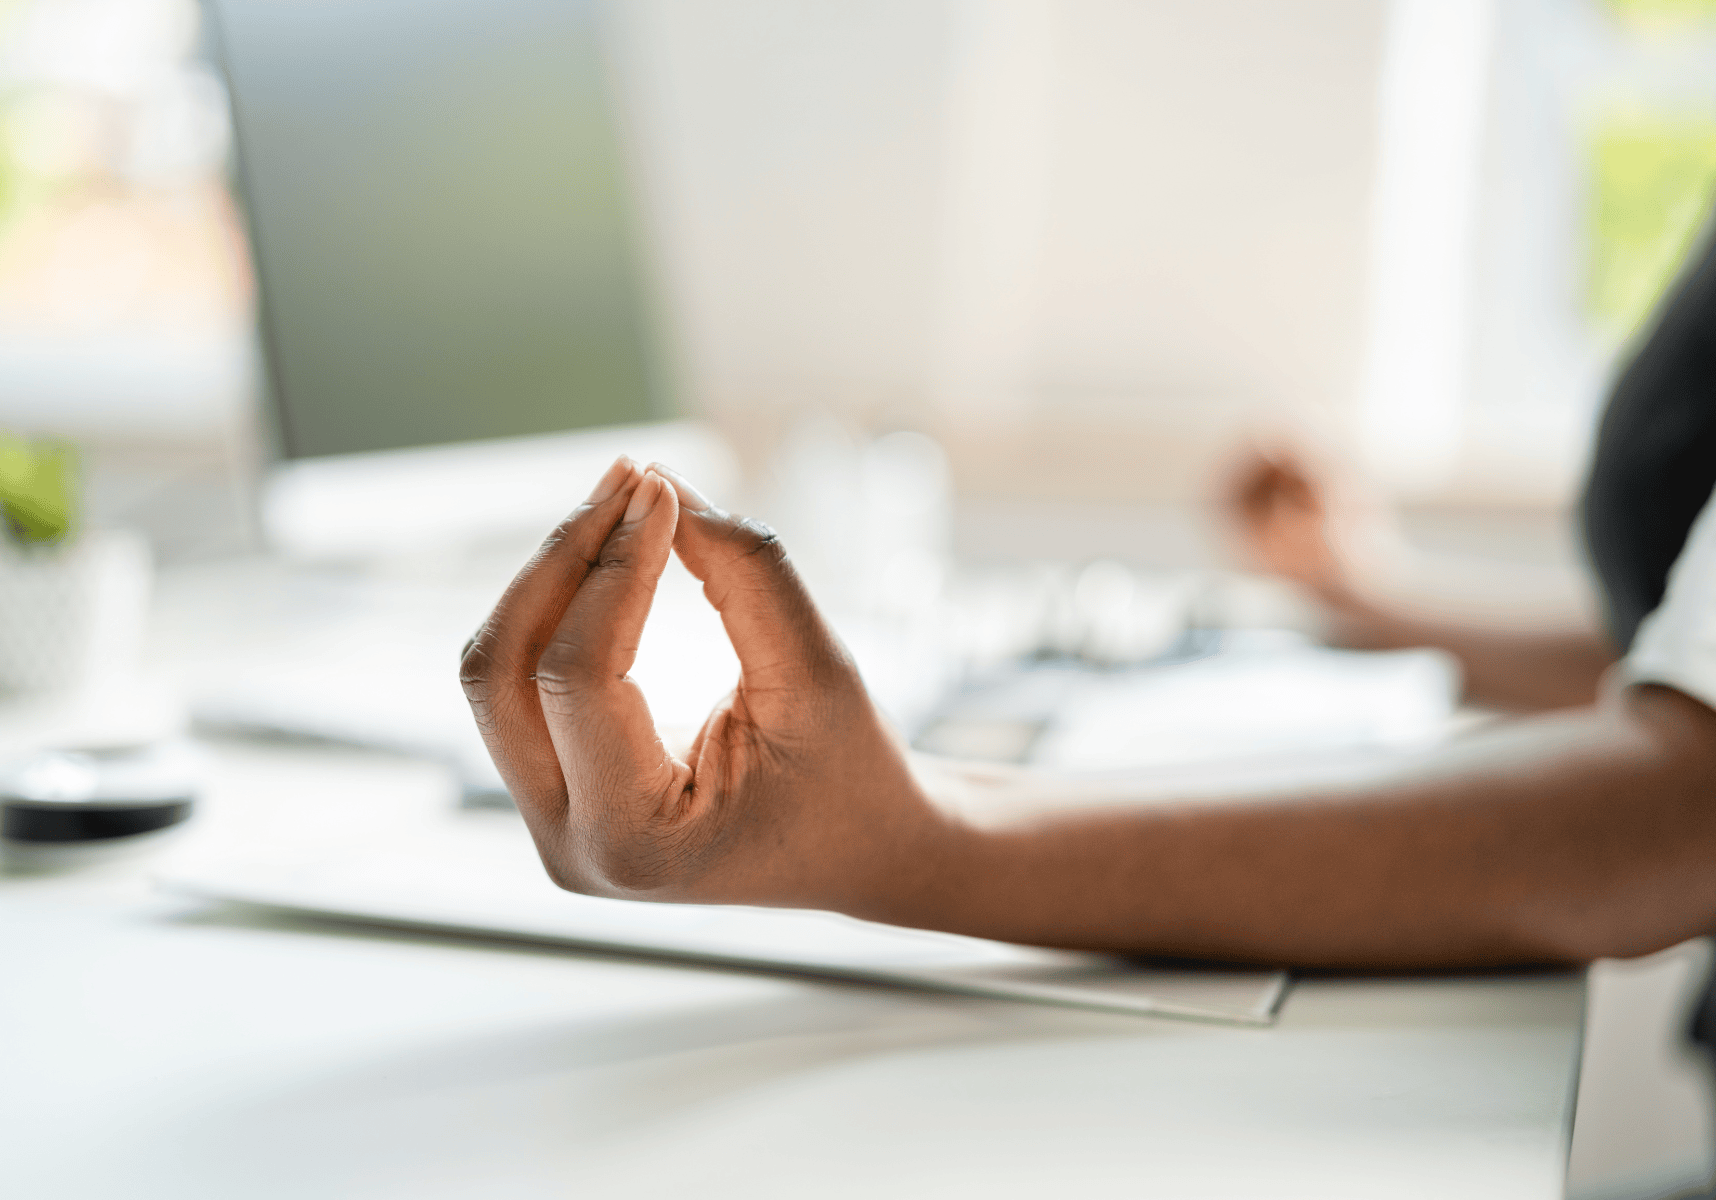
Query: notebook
[[479, 876]]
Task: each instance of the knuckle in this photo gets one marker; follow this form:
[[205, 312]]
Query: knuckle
[[753, 536], [756, 542], [617, 554], [562, 667], [566, 531], [476, 667], [543, 557], [557, 537]]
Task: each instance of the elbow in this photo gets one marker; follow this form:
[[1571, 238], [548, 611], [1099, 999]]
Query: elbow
[[1581, 946], [1617, 923], [1635, 871]]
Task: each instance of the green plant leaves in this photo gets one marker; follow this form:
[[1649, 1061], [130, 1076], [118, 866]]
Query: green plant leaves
[[38, 489], [1653, 179]]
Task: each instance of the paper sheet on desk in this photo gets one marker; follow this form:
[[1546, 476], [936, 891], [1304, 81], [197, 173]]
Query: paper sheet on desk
[[1266, 698], [479, 876]]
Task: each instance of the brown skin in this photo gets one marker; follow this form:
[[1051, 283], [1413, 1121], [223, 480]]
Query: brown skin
[[1288, 527], [793, 793], [1555, 839]]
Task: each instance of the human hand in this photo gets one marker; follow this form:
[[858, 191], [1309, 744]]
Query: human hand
[[1285, 522], [793, 793]]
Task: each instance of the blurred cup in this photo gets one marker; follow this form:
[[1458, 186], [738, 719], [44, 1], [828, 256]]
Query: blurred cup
[[72, 616]]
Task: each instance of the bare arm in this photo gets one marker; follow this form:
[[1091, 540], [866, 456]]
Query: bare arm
[[1290, 528], [1553, 839], [1556, 839], [1522, 669]]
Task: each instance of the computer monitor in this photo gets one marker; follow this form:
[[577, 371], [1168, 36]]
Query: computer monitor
[[448, 261]]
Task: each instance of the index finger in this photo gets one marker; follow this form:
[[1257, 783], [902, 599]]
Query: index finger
[[499, 666], [776, 630]]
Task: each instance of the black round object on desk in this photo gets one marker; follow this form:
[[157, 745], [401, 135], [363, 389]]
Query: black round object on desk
[[68, 798], [22, 821]]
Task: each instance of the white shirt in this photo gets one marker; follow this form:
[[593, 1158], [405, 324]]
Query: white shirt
[[1676, 644]]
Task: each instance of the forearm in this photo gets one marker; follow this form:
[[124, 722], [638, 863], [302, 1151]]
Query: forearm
[[1556, 840], [1519, 669]]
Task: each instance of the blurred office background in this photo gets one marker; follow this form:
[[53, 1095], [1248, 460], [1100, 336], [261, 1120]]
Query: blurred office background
[[1080, 252], [1087, 246]]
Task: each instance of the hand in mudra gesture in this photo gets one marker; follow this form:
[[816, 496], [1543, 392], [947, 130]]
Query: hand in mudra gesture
[[793, 793]]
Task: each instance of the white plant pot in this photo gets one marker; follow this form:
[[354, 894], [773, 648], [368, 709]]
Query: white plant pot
[[72, 617]]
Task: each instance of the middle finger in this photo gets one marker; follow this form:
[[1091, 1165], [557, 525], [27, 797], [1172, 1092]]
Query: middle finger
[[499, 666]]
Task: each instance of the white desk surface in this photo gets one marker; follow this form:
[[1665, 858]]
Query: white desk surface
[[154, 1047]]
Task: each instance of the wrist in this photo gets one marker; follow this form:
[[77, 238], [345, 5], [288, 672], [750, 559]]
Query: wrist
[[926, 872]]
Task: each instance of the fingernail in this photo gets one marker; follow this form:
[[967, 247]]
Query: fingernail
[[610, 483], [644, 499], [689, 496]]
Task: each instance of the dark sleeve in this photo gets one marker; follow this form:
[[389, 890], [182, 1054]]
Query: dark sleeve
[[1654, 462]]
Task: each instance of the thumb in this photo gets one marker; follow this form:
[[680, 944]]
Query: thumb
[[775, 628]]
